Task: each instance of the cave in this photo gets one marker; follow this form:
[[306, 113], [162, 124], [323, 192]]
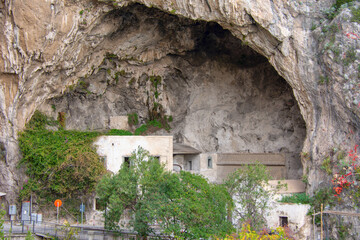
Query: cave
[[223, 96]]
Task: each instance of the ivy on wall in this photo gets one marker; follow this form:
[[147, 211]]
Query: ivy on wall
[[60, 164]]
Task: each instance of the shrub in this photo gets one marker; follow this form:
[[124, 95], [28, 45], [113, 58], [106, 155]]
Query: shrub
[[322, 196], [299, 198], [327, 166], [247, 232], [246, 188], [58, 163], [185, 205], [39, 121], [118, 132], [2, 214], [143, 128], [140, 130], [133, 119]]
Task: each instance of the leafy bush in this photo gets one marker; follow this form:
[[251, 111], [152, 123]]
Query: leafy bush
[[247, 232], [118, 132], [246, 188], [59, 163], [155, 123], [133, 119], [39, 121], [140, 130], [322, 196], [326, 165], [2, 214], [299, 198], [185, 205], [143, 128]]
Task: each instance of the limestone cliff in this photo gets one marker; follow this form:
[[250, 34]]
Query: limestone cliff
[[237, 74]]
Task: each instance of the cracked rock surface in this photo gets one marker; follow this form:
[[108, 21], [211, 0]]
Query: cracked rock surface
[[49, 46]]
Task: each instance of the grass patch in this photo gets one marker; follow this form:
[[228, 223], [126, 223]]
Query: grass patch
[[154, 124], [298, 198], [118, 132]]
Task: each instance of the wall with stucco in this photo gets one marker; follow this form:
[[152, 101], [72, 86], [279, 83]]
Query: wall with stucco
[[115, 148], [298, 221]]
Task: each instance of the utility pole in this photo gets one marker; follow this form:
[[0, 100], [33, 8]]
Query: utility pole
[[30, 208], [321, 218]]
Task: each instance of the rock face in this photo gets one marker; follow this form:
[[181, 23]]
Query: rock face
[[220, 100], [223, 96]]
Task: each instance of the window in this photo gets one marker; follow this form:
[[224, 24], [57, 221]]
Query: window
[[157, 158], [209, 162], [127, 161], [190, 165], [98, 206], [283, 221]]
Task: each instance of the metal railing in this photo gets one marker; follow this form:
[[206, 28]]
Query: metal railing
[[343, 224], [60, 231]]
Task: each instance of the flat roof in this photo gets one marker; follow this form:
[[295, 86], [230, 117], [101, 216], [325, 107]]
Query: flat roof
[[238, 159], [179, 148]]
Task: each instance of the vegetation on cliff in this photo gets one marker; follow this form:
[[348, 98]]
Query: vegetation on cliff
[[59, 163]]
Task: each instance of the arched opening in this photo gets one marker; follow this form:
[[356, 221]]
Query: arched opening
[[223, 97]]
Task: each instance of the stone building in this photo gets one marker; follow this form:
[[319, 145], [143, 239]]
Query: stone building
[[214, 166]]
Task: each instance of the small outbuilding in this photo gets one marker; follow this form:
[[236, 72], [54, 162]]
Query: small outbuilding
[[117, 149]]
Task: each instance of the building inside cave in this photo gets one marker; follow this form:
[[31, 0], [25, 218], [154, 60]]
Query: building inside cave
[[224, 98]]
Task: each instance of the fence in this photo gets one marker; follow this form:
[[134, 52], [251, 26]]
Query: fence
[[344, 225], [61, 231]]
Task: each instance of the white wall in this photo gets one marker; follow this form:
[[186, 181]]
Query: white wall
[[209, 173], [298, 221], [115, 148]]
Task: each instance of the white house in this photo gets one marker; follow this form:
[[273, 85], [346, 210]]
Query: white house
[[117, 149]]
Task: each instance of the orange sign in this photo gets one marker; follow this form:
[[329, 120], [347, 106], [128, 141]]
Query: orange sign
[[58, 203]]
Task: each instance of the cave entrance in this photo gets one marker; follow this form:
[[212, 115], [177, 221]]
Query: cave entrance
[[223, 97]]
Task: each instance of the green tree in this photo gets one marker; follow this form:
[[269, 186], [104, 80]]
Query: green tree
[[246, 186], [2, 214], [184, 205]]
